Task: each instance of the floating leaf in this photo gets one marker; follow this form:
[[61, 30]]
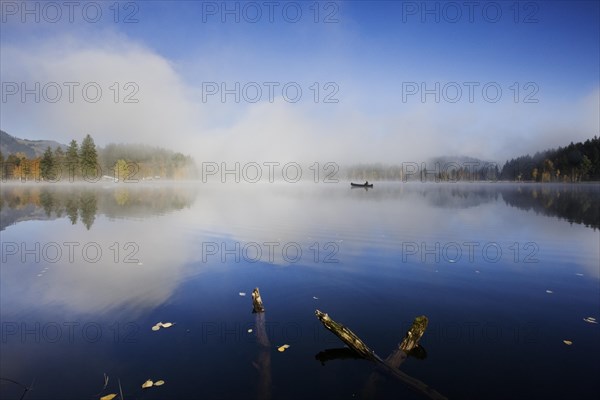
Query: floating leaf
[[167, 324], [315, 297], [159, 383], [147, 384], [109, 396], [549, 291], [242, 294], [283, 348], [567, 342], [590, 320], [249, 330], [156, 327]]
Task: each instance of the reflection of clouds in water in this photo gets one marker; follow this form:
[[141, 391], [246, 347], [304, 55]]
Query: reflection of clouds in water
[[384, 218], [87, 287], [359, 222]]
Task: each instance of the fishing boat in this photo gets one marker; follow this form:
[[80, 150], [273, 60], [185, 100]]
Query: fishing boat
[[365, 185]]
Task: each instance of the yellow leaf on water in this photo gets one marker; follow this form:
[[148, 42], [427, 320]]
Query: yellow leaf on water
[[167, 324], [567, 342], [155, 328], [108, 396], [283, 348], [147, 384], [159, 383]]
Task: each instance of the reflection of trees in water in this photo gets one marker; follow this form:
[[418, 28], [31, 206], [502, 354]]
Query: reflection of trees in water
[[83, 203], [87, 208], [47, 201], [442, 195], [455, 196], [574, 203], [71, 207]]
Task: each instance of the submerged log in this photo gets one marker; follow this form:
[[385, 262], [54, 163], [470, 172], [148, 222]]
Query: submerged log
[[409, 343], [346, 335], [257, 303], [356, 344]]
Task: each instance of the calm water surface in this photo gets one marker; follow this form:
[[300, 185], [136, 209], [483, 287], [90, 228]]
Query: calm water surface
[[504, 273]]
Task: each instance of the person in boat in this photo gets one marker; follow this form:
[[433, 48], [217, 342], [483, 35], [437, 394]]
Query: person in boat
[[366, 183]]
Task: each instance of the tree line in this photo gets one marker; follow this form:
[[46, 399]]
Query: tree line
[[576, 162], [433, 171], [122, 162]]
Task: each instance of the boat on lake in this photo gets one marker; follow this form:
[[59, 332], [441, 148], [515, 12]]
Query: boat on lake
[[365, 185]]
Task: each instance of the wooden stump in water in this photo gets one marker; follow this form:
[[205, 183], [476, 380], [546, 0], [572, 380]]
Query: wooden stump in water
[[409, 343], [263, 360], [257, 303], [414, 334]]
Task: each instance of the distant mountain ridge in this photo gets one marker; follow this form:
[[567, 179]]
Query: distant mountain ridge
[[31, 148], [460, 160]]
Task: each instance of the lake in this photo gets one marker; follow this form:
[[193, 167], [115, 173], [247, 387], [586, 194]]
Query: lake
[[505, 273]]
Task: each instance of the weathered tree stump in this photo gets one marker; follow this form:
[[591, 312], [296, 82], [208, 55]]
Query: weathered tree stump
[[409, 343], [257, 303], [414, 334], [263, 359]]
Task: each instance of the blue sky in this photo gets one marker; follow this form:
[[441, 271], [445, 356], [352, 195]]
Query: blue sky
[[369, 52]]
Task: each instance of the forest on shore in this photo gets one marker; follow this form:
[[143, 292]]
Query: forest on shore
[[85, 161], [576, 162]]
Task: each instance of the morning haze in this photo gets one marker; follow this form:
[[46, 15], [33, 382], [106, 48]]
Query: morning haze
[[299, 200]]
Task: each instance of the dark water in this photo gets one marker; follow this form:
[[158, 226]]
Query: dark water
[[504, 273]]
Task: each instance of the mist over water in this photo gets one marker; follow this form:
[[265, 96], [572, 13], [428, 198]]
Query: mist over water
[[102, 265], [423, 173]]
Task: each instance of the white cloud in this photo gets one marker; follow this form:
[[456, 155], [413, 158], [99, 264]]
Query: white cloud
[[163, 107], [171, 113]]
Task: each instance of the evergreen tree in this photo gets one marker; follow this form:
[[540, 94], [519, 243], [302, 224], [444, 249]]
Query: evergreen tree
[[72, 160], [88, 158], [59, 162], [47, 165]]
